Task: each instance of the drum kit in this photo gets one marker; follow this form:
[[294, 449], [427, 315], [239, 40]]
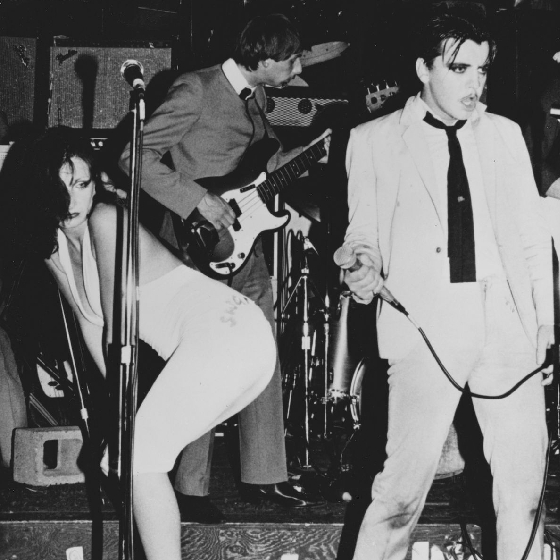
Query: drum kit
[[326, 347], [322, 362]]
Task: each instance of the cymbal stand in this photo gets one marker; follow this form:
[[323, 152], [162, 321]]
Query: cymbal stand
[[302, 287], [326, 362]]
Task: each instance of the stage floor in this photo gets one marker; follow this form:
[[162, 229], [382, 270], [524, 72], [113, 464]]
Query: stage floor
[[332, 525], [447, 501], [451, 499]]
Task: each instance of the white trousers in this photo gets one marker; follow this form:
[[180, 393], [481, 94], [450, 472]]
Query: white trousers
[[480, 340], [220, 355]]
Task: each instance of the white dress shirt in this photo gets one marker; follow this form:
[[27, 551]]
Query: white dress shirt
[[487, 257]]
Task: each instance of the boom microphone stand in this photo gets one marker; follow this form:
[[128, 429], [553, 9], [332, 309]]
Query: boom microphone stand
[[129, 311]]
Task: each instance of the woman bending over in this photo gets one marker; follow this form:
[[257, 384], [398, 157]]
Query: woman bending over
[[218, 347]]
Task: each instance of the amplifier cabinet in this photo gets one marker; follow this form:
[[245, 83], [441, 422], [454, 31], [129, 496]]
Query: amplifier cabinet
[[298, 106], [86, 88], [18, 57]]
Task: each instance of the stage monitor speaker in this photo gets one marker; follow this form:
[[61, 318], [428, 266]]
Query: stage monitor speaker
[[298, 106], [18, 58], [87, 89]]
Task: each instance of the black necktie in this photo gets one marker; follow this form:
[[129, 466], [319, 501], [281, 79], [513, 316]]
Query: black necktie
[[245, 93], [460, 219]]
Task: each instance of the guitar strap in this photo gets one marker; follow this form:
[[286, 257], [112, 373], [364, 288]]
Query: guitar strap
[[263, 117], [196, 233]]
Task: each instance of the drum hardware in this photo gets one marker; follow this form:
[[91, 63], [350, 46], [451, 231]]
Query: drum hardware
[[300, 296], [342, 467], [356, 392], [321, 371], [343, 364]]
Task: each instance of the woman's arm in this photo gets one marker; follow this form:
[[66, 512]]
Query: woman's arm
[[106, 223], [92, 334]]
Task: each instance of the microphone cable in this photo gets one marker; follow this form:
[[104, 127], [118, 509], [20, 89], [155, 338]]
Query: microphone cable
[[345, 258], [467, 539], [395, 303], [399, 307]]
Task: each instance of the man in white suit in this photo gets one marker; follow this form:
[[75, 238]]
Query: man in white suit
[[491, 325]]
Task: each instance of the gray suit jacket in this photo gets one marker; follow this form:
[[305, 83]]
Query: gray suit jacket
[[204, 125]]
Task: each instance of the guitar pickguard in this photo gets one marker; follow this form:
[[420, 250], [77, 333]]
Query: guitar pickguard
[[237, 241], [247, 192]]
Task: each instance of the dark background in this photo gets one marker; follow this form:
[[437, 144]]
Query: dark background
[[378, 32]]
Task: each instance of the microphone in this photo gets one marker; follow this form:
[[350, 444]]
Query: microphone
[[133, 73], [345, 258]]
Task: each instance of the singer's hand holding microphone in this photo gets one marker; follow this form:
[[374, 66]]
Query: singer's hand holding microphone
[[362, 279], [360, 276]]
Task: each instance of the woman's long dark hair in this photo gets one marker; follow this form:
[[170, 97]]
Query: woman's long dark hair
[[33, 198]]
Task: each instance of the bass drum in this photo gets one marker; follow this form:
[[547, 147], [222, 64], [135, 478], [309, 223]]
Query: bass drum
[[451, 462]]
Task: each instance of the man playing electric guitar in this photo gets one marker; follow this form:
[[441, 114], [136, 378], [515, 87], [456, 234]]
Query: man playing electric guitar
[[208, 123], [247, 190]]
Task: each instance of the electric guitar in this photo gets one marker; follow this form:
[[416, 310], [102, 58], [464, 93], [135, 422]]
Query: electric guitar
[[377, 95], [248, 190]]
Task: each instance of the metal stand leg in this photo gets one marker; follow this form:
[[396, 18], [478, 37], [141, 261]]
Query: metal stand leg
[[302, 287]]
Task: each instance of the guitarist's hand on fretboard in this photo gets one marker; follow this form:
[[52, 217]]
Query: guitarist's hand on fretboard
[[217, 211]]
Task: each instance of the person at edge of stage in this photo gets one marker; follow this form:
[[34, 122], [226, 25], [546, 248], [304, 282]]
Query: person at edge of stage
[[202, 328], [444, 213], [207, 122]]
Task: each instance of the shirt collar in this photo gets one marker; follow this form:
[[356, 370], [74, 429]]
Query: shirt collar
[[420, 109], [235, 77]]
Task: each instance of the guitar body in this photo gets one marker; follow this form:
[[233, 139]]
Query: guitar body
[[248, 190], [237, 241]]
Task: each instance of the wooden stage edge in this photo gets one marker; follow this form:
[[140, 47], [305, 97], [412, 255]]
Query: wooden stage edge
[[54, 540]]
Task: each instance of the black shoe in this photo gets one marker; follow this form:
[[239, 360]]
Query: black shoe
[[198, 509], [282, 493]]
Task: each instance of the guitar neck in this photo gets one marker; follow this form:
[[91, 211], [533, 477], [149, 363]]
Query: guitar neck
[[287, 174]]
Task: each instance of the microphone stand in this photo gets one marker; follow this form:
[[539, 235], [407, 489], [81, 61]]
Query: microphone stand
[[129, 312]]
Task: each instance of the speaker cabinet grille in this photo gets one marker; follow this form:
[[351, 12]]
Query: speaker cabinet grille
[[297, 106], [87, 90], [17, 86]]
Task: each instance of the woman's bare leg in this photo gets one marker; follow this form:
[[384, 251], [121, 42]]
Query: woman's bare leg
[[157, 516]]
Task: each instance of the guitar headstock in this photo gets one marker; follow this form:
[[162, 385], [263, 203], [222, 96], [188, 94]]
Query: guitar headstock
[[377, 95]]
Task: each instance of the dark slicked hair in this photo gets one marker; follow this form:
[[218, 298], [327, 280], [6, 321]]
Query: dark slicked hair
[[271, 36], [443, 26], [33, 198]]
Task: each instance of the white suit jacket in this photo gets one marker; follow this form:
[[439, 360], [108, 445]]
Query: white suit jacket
[[392, 188]]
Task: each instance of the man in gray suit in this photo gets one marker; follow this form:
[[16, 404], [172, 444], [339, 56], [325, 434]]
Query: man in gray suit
[[206, 124], [444, 213]]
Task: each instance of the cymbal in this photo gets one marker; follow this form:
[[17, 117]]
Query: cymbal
[[323, 52]]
